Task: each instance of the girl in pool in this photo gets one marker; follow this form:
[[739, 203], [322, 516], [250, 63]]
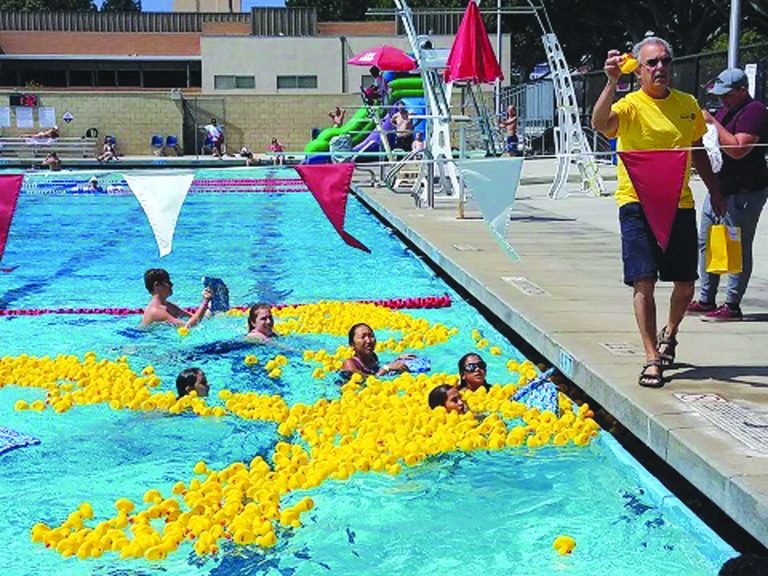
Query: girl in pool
[[448, 397], [260, 322], [472, 371], [365, 361]]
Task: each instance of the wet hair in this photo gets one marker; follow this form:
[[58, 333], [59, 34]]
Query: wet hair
[[462, 365], [253, 313], [438, 396], [186, 379], [745, 565], [154, 276], [351, 335], [651, 40]]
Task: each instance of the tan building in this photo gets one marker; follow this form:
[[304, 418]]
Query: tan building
[[209, 6], [270, 72]]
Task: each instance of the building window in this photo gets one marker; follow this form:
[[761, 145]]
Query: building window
[[234, 82], [301, 82]]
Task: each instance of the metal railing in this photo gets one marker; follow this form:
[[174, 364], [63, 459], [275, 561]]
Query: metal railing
[[284, 21], [114, 21]]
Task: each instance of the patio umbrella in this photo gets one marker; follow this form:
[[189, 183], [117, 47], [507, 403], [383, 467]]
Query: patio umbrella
[[472, 57], [385, 58]]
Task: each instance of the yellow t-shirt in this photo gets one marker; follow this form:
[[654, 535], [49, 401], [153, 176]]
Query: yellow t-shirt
[[646, 123]]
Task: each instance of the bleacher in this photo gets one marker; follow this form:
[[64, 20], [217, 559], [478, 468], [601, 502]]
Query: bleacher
[[26, 147]]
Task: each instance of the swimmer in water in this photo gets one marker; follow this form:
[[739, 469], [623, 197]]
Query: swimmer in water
[[448, 397], [261, 322], [365, 361], [160, 309]]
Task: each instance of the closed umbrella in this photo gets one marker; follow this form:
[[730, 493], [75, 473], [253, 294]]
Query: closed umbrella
[[472, 58], [385, 58]]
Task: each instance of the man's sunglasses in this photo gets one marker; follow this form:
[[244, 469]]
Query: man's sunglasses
[[653, 62], [475, 366]]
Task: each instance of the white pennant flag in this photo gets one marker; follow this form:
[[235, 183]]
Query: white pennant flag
[[161, 197], [494, 186]]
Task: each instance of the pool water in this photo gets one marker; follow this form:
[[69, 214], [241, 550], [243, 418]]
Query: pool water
[[460, 513]]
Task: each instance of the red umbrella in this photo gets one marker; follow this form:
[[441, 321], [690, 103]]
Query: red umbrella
[[472, 57], [385, 58]]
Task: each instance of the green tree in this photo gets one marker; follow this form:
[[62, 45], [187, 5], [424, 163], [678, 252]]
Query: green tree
[[48, 5], [334, 10], [121, 6]]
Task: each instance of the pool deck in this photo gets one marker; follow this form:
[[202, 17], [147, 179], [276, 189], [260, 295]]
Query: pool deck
[[565, 297]]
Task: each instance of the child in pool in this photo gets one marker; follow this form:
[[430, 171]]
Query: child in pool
[[191, 379], [160, 309], [261, 322], [448, 397]]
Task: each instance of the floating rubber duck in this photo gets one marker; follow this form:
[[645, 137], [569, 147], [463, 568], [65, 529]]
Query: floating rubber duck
[[564, 544]]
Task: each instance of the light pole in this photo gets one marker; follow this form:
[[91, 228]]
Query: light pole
[[733, 34]]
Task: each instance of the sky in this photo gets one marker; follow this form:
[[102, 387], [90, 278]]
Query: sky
[[165, 5]]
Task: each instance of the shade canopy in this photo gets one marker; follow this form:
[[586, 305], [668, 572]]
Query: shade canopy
[[472, 58], [385, 58]]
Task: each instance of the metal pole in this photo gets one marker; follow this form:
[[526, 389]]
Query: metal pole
[[733, 34], [498, 55]]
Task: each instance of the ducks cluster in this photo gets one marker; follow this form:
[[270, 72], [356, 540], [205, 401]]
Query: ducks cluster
[[376, 425]]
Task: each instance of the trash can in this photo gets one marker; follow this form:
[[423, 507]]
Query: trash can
[[614, 156]]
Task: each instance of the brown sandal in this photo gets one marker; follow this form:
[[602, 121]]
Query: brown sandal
[[667, 347], [648, 380]]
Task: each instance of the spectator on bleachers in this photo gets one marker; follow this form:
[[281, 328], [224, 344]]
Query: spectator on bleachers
[[52, 162], [108, 151], [43, 134]]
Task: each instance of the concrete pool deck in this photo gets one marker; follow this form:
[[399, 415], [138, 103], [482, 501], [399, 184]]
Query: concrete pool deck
[[566, 299]]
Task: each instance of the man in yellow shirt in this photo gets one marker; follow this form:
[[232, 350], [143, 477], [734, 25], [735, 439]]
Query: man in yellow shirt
[[656, 117]]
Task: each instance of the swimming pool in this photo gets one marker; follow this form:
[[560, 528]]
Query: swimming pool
[[462, 512]]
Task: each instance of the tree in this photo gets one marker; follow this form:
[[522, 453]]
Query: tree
[[48, 5], [121, 6], [334, 10]]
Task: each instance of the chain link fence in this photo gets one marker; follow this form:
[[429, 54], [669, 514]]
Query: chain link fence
[[692, 74]]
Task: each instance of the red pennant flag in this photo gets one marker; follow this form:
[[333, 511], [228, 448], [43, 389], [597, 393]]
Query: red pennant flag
[[329, 184], [658, 177], [9, 195]]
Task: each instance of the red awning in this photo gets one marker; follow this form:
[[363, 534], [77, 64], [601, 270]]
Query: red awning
[[472, 57]]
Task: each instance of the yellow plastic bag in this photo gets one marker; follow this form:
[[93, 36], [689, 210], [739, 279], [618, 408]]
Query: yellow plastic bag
[[724, 249]]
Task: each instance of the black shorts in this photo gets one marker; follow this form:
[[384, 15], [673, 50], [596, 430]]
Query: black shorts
[[642, 255]]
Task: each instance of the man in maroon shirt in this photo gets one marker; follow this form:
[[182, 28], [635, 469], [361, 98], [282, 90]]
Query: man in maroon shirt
[[742, 124]]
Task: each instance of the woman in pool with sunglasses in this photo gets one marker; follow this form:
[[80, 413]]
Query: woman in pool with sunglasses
[[472, 371]]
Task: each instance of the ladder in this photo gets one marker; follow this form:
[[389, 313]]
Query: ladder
[[571, 145]]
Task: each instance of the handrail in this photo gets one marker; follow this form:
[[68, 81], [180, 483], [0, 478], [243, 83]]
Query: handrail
[[392, 173]]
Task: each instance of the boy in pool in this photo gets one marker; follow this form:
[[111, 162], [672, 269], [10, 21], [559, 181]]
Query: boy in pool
[[192, 379], [160, 309]]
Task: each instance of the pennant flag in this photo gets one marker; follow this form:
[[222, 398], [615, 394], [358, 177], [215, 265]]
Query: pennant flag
[[494, 186], [161, 197], [329, 184], [10, 186], [658, 177]]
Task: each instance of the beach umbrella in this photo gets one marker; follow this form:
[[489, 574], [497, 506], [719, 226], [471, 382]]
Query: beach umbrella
[[385, 58], [472, 57]]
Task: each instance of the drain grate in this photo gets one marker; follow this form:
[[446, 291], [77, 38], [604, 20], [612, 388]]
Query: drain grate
[[524, 285], [744, 425], [466, 248], [620, 348]]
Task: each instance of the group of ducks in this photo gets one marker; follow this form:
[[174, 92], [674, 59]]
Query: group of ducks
[[375, 424]]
